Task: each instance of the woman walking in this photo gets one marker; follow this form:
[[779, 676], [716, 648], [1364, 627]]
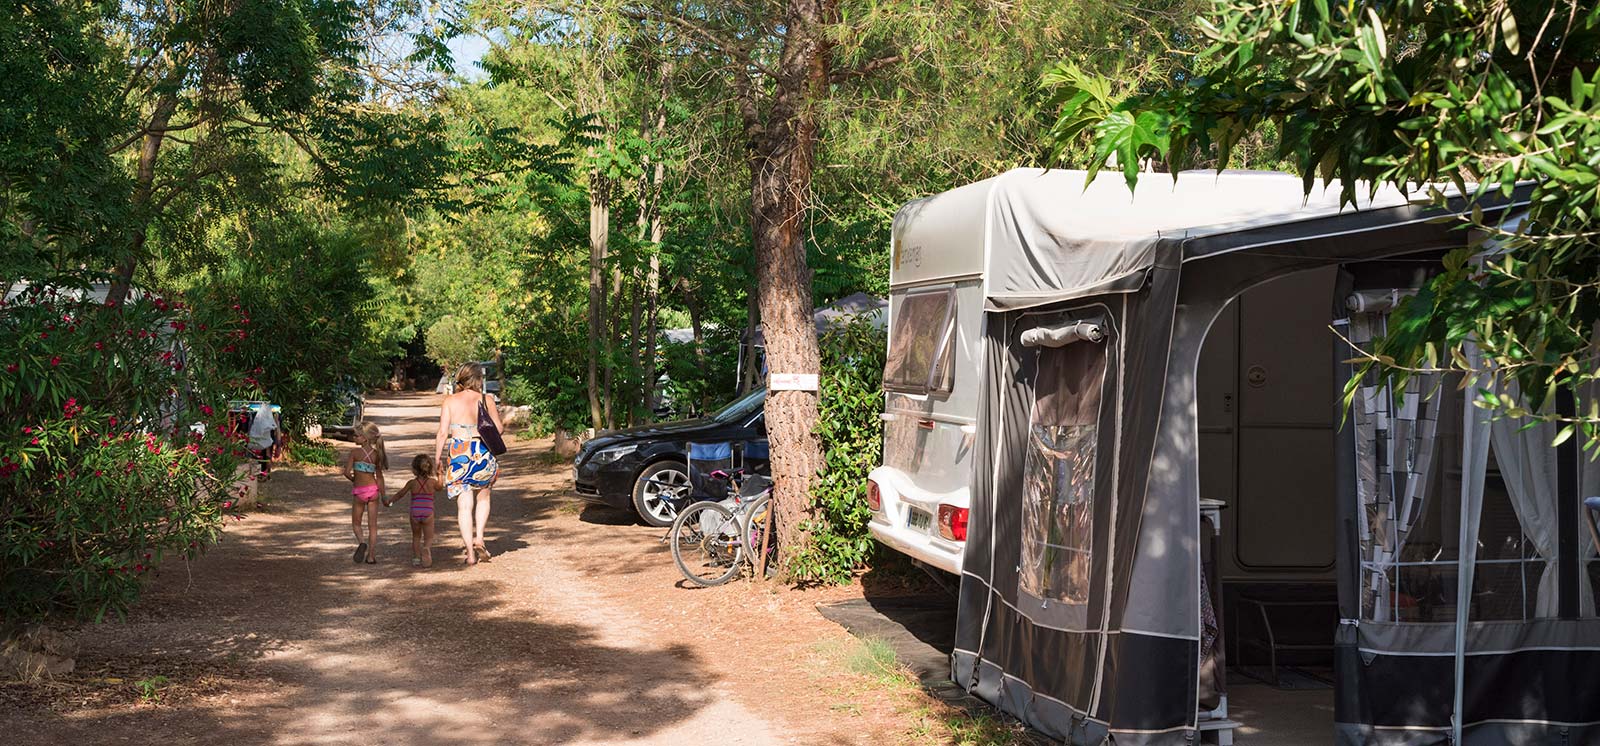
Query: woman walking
[[470, 468]]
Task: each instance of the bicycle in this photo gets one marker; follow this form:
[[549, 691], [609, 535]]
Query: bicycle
[[713, 540]]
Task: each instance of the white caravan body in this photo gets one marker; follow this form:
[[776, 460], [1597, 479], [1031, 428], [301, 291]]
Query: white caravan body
[[932, 384]]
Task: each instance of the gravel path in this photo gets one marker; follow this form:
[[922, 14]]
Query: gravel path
[[575, 633]]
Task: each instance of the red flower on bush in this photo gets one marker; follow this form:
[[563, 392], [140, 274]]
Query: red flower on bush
[[71, 408], [98, 345], [55, 360], [12, 368], [207, 409]]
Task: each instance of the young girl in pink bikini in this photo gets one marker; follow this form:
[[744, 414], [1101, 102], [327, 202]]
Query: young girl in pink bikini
[[364, 468], [422, 487]]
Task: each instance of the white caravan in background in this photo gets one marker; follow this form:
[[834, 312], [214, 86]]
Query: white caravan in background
[[919, 496]]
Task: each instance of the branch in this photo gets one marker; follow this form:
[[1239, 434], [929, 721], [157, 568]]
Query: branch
[[142, 131], [873, 65], [704, 32], [183, 186]]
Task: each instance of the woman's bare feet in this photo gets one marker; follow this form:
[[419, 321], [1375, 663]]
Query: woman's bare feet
[[427, 556]]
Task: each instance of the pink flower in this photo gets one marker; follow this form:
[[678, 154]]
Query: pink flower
[[110, 303], [113, 422], [207, 409], [55, 360], [98, 345]]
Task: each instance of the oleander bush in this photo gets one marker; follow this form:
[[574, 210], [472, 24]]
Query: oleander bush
[[116, 449]]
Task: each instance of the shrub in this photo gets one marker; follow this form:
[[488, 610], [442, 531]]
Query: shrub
[[850, 400], [315, 452], [115, 448], [452, 341]]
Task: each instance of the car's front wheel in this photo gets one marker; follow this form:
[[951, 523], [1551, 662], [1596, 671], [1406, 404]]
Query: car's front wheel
[[659, 491]]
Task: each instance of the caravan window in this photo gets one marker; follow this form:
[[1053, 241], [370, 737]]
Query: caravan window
[[1058, 486], [920, 344]]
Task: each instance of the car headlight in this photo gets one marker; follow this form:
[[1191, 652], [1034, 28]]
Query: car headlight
[[613, 453]]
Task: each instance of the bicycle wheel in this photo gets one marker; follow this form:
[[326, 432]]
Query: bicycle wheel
[[705, 544], [756, 524]]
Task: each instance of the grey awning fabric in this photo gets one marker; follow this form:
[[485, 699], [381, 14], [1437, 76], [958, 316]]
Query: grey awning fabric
[[1054, 235]]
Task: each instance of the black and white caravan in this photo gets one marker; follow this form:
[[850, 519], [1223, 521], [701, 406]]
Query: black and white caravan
[[1176, 533]]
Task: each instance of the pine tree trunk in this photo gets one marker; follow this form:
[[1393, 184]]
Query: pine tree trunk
[[783, 154]]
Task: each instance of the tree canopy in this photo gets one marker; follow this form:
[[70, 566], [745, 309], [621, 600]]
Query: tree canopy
[[1478, 96]]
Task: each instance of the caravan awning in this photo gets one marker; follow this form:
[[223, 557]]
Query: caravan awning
[[1041, 236]]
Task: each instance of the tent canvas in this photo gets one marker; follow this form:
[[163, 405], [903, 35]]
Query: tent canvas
[[1080, 607]]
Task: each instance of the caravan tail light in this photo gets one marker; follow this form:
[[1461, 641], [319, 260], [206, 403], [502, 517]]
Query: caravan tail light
[[874, 497], [953, 522]]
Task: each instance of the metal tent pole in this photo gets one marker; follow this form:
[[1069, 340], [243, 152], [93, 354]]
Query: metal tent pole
[[1475, 454]]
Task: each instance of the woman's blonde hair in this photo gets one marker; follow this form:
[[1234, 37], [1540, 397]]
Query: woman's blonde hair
[[470, 377], [369, 432]]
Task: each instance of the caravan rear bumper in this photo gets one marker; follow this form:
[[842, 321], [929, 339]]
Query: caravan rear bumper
[[893, 524], [934, 551]]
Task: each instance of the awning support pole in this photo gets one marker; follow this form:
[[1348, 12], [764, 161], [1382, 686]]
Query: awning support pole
[[1475, 455]]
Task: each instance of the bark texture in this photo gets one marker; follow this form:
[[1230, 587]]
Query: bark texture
[[783, 154], [599, 240]]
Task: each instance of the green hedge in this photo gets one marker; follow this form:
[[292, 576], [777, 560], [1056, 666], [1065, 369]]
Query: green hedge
[[851, 398]]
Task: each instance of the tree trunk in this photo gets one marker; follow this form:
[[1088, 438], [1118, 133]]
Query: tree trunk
[[599, 238], [751, 370], [783, 154], [697, 323], [143, 185], [652, 282]]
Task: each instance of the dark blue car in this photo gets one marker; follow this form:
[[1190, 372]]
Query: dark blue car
[[646, 469]]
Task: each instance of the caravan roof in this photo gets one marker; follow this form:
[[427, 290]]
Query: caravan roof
[[1037, 236]]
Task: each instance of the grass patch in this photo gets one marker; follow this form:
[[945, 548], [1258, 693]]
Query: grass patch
[[314, 452], [874, 661], [551, 458]]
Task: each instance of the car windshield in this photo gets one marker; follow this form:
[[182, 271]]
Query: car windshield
[[742, 408]]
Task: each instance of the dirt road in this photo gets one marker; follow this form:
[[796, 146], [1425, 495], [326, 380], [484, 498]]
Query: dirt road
[[576, 633]]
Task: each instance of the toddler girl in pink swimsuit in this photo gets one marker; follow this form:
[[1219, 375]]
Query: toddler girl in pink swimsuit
[[364, 468], [422, 487]]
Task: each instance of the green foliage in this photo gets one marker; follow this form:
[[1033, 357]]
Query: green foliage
[[63, 196], [304, 293], [852, 440], [150, 689], [314, 452], [115, 449], [698, 384], [1478, 94], [452, 342]]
